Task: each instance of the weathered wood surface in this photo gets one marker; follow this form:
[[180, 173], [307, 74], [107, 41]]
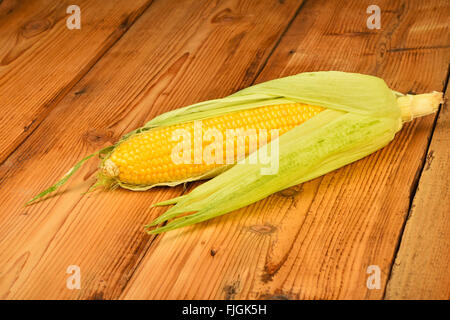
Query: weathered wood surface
[[421, 266], [312, 241]]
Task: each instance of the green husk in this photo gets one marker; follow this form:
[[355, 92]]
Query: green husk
[[362, 116]]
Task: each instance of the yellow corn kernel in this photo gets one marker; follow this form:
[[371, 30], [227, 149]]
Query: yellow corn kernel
[[146, 158]]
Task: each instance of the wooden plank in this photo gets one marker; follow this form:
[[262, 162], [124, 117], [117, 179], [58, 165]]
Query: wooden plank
[[41, 59], [175, 54], [316, 240], [421, 265]]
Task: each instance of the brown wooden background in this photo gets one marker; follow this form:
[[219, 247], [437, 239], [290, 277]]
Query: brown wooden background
[[66, 93]]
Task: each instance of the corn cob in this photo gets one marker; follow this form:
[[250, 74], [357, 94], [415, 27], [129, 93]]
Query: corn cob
[[325, 120], [145, 158]]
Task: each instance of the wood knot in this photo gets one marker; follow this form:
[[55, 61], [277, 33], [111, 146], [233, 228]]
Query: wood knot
[[8, 7], [226, 16], [80, 92], [98, 137], [278, 294], [231, 290], [28, 126], [35, 27], [290, 192], [263, 229], [429, 160], [126, 22], [97, 296], [275, 297]]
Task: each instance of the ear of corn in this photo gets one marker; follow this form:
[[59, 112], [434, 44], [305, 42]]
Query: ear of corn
[[145, 158], [355, 115]]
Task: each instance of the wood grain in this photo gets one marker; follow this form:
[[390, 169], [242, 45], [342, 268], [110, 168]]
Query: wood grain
[[312, 241], [175, 54], [421, 266], [316, 240], [41, 59]]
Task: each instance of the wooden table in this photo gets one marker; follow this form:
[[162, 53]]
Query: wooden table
[[65, 93]]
